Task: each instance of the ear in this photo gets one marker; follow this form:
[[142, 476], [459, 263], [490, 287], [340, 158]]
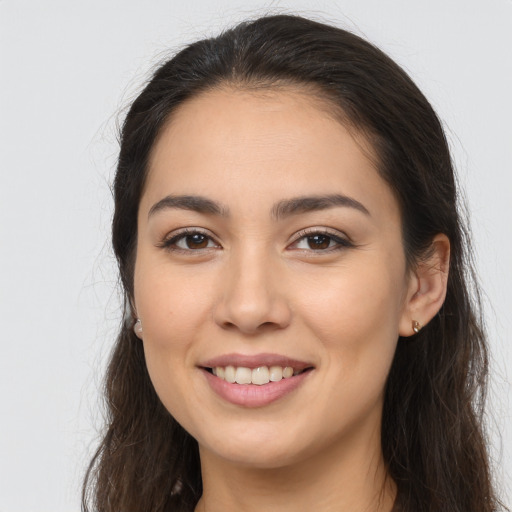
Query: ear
[[427, 286], [137, 328], [136, 322]]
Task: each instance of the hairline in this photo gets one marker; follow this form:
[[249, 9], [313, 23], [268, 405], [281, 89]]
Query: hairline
[[318, 97]]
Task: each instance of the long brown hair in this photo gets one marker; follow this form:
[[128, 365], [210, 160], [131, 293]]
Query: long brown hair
[[432, 430]]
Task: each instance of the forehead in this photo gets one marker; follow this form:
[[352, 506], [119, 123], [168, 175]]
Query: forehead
[[230, 144]]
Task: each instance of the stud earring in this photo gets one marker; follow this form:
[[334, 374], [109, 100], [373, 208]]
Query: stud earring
[[416, 326], [137, 328]]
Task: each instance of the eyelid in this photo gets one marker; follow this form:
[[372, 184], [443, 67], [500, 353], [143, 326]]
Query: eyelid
[[343, 241], [170, 238]]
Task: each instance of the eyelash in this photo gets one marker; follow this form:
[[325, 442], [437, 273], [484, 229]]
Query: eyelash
[[340, 242], [170, 243]]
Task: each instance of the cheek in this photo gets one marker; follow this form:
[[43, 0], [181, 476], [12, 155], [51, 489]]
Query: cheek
[[355, 313], [168, 340], [354, 300], [173, 313], [356, 321], [171, 303]]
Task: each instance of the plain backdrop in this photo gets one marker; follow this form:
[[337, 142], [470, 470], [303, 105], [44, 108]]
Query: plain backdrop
[[67, 70]]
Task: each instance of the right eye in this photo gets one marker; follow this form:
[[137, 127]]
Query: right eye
[[190, 240]]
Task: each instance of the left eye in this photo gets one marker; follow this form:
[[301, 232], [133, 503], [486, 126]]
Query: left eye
[[320, 242]]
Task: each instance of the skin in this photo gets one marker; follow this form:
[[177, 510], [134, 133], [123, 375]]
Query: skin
[[256, 284]]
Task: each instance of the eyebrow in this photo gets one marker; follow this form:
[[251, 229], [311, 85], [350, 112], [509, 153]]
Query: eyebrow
[[306, 204], [280, 210], [194, 203]]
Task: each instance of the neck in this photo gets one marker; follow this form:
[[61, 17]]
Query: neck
[[345, 477]]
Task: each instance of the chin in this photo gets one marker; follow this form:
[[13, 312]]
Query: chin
[[260, 448], [256, 456]]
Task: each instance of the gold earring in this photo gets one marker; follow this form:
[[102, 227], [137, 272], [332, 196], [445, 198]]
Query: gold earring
[[137, 328], [416, 326]]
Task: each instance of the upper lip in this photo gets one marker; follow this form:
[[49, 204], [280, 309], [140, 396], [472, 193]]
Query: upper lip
[[254, 361]]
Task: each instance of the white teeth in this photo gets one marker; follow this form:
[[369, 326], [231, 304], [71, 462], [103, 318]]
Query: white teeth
[[276, 373], [259, 376], [243, 375], [287, 372], [229, 374]]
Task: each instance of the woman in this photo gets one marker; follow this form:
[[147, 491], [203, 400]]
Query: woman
[[300, 334]]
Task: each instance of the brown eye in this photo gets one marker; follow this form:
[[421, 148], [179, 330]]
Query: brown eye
[[319, 242], [190, 241], [196, 241]]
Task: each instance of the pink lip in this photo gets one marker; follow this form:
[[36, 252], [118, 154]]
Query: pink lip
[[254, 361], [252, 395]]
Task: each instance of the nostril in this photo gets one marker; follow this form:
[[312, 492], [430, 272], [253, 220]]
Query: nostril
[[251, 313]]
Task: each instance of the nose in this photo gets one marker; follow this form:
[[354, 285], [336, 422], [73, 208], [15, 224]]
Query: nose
[[252, 298]]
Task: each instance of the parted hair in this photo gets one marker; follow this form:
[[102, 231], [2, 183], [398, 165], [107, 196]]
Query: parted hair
[[433, 437]]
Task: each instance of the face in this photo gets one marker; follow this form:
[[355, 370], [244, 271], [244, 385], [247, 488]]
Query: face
[[269, 252]]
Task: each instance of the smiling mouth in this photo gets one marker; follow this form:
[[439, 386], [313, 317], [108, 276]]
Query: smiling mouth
[[258, 376]]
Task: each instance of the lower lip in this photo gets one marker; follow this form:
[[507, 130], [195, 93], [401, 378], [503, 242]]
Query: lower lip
[[252, 395]]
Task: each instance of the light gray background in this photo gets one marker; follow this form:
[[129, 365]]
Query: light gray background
[[66, 70]]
